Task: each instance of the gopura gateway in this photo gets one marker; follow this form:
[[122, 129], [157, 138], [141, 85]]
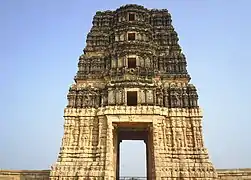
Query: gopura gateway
[[132, 84]]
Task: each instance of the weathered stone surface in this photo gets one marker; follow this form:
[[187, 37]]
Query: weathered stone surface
[[24, 174], [234, 174], [224, 174], [132, 73]]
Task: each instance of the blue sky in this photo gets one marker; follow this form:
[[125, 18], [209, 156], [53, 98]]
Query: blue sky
[[39, 48]]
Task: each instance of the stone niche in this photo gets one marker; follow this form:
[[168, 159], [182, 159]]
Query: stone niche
[[133, 96]]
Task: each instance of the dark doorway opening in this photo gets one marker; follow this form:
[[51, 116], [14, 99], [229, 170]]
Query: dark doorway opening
[[131, 62], [131, 36], [132, 98], [131, 17]]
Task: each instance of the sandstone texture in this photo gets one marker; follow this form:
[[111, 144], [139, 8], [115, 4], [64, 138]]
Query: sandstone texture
[[132, 83], [224, 174], [24, 174]]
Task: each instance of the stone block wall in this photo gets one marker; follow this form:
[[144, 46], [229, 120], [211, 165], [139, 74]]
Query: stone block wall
[[234, 174], [223, 174], [24, 174]]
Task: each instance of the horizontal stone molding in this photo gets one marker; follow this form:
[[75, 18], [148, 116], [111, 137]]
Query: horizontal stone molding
[[133, 110], [225, 174]]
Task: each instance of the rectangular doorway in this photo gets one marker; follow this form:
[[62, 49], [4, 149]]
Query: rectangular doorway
[[132, 98], [129, 136], [131, 63], [132, 162], [131, 36]]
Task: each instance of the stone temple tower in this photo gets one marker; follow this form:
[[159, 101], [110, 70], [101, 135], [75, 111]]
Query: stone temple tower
[[132, 84]]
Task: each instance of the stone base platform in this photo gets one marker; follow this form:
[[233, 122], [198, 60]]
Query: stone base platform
[[225, 174]]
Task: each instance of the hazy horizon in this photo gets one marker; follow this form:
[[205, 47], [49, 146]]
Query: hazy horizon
[[40, 45]]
